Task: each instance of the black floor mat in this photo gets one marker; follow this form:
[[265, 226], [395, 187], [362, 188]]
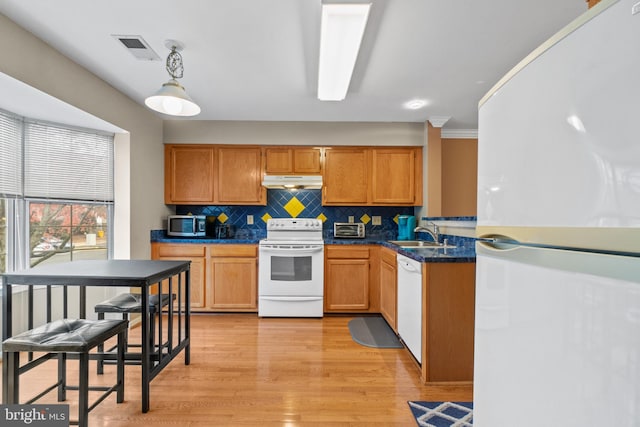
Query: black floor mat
[[373, 332]]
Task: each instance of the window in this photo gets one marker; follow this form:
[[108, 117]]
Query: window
[[56, 193], [3, 236], [60, 232]]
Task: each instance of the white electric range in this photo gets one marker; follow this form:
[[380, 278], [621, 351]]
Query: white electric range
[[291, 269]]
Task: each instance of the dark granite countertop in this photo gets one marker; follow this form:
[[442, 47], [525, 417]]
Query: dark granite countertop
[[160, 236], [464, 250]]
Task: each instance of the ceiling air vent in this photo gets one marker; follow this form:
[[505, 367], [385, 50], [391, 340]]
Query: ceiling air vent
[[138, 47]]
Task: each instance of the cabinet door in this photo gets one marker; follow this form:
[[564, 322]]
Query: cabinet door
[[307, 160], [292, 160], [388, 287], [188, 174], [239, 174], [448, 321], [347, 284], [234, 284], [345, 177], [278, 160], [393, 176], [185, 252]]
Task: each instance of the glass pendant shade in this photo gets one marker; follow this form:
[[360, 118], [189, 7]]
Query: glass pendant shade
[[172, 99]]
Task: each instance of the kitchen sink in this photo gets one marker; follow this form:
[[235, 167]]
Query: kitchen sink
[[419, 244]]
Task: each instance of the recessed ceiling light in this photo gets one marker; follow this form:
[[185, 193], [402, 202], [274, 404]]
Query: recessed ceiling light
[[415, 104]]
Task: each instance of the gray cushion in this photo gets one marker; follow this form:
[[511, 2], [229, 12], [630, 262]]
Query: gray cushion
[[65, 335], [131, 303]]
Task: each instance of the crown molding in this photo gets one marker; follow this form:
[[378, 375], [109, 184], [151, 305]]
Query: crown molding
[[459, 134], [438, 121]]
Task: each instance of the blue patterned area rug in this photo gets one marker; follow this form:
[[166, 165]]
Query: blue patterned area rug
[[442, 414]]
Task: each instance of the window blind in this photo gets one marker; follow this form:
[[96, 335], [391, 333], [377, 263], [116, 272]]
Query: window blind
[[10, 155], [62, 163]]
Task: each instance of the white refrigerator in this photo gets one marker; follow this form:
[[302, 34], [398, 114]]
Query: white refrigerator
[[557, 338]]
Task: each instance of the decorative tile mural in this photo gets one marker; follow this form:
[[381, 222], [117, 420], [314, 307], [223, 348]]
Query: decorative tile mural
[[301, 204]]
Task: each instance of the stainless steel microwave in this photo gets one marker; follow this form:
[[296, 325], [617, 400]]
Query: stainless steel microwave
[[186, 225], [348, 230]]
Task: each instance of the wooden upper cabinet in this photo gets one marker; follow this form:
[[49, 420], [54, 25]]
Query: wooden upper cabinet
[[188, 174], [352, 176], [292, 160], [373, 176], [346, 176], [239, 176], [396, 177], [278, 160], [307, 160]]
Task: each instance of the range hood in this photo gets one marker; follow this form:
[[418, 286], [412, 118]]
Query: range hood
[[292, 181]]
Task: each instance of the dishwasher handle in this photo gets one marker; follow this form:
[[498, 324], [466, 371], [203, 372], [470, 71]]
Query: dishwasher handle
[[408, 267]]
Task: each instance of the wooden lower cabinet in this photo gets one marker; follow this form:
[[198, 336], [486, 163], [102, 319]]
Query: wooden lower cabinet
[[223, 277], [448, 301], [389, 286], [350, 283], [186, 252], [234, 278]]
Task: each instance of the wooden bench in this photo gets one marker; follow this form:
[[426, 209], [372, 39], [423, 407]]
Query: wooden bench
[[63, 338], [126, 304]]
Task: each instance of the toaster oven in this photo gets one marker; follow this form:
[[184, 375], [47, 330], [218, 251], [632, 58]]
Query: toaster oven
[[348, 230]]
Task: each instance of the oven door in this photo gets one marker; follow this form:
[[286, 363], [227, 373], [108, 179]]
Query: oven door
[[291, 270]]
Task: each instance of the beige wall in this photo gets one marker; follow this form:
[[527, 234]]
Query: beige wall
[[30, 60], [292, 133]]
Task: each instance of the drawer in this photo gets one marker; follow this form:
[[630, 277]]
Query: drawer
[[234, 250], [348, 252], [185, 250]]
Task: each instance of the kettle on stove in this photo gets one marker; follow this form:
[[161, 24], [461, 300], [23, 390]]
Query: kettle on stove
[[406, 227]]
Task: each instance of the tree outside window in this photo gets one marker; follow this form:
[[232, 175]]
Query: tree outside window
[[60, 232]]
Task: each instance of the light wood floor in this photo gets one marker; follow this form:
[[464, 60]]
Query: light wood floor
[[250, 371]]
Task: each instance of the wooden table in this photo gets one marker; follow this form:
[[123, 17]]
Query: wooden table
[[141, 274]]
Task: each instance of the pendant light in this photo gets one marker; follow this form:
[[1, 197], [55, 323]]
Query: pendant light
[[172, 99]]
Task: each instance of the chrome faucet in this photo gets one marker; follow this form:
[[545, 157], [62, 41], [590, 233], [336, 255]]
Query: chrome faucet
[[435, 233]]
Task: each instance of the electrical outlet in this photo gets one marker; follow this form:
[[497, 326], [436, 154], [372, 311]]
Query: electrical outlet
[[351, 219], [249, 219], [376, 220]]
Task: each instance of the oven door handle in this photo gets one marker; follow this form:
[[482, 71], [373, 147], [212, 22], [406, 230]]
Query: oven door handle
[[295, 250]]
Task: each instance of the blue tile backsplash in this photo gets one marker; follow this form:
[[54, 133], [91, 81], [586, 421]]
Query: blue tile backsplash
[[312, 202]]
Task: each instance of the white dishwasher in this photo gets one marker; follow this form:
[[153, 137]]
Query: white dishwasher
[[410, 304]]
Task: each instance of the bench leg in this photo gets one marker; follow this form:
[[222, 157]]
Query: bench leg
[[152, 332], [120, 367], [62, 377], [100, 350], [83, 390], [13, 380]]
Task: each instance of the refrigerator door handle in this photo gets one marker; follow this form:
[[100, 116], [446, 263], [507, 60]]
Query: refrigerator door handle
[[619, 267], [497, 245]]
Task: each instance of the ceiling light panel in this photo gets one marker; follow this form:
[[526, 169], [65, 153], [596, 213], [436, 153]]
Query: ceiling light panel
[[341, 34]]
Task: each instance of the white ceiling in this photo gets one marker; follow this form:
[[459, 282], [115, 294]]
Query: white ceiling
[[258, 59]]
